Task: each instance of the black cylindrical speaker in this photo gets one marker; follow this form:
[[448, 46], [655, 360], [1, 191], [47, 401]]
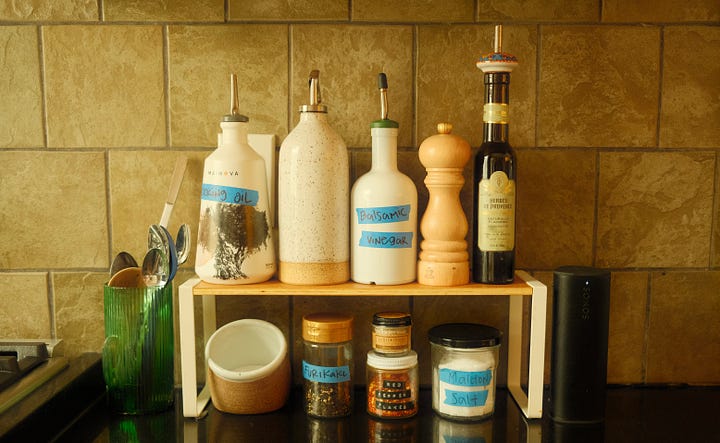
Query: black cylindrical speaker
[[581, 311]]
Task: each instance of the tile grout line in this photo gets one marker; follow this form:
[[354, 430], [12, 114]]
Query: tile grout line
[[43, 87], [661, 79], [166, 82], [646, 329], [715, 219]]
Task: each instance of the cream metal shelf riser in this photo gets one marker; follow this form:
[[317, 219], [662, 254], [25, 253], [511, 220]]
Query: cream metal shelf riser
[[524, 286]]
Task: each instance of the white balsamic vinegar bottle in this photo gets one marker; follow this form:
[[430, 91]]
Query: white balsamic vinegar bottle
[[235, 244], [384, 211], [313, 199]]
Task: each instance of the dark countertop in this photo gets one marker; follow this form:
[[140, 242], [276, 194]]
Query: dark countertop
[[76, 412]]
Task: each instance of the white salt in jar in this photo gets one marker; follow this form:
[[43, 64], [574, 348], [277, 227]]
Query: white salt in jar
[[464, 363]]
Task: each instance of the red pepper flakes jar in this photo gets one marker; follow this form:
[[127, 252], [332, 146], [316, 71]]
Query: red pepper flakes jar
[[392, 385]]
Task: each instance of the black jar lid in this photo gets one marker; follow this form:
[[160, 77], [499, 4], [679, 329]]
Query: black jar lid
[[464, 335], [392, 319]]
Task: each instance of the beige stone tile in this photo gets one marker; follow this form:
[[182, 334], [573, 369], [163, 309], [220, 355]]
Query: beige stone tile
[[163, 10], [555, 221], [138, 194], [539, 10], [21, 112], [200, 63], [24, 305], [655, 209], [450, 87], [104, 86], [684, 333], [413, 11], [626, 340], [715, 245], [49, 10], [690, 115], [288, 10], [662, 11], [362, 310], [79, 312], [432, 311], [589, 97], [52, 210], [348, 76]]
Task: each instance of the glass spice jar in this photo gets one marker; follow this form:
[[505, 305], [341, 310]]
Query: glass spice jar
[[327, 364], [391, 333], [392, 385], [464, 359]]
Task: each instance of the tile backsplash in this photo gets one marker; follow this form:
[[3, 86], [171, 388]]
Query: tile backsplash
[[615, 117]]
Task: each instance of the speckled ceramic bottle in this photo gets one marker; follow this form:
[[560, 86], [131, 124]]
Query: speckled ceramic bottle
[[235, 244], [313, 199], [384, 211]]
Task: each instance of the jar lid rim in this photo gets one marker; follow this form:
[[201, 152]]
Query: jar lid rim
[[395, 362], [465, 335], [392, 318]]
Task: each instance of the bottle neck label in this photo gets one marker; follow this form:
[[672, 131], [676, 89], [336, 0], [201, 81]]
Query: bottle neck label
[[496, 213], [495, 113]]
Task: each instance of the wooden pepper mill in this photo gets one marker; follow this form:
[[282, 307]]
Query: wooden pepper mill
[[443, 256]]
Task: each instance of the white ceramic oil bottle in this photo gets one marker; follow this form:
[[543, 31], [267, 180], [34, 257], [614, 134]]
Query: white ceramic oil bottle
[[384, 210], [235, 244], [313, 199]]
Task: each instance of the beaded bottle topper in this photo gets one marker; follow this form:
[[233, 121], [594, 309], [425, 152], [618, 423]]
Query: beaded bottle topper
[[497, 61]]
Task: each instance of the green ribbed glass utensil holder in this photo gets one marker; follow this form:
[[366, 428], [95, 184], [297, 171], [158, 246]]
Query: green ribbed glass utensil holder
[[137, 355]]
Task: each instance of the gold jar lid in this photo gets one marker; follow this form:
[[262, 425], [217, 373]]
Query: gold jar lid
[[327, 327]]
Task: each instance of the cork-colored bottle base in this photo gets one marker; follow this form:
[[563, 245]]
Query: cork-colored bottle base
[[314, 273]]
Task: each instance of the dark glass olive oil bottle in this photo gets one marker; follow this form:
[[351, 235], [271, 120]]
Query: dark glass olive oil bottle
[[494, 176]]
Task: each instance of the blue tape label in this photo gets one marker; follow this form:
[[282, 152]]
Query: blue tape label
[[325, 374], [228, 194], [454, 439], [371, 239], [465, 378], [384, 214], [466, 399]]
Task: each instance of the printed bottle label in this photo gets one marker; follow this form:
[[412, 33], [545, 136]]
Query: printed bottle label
[[384, 214], [392, 394], [495, 113], [229, 194], [466, 378], [372, 239], [496, 213], [325, 374], [386, 406]]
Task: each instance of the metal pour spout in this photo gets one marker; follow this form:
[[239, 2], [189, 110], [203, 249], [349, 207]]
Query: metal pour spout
[[315, 99], [497, 43], [234, 115], [383, 86]]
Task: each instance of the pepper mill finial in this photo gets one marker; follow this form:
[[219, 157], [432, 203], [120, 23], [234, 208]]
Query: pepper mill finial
[[443, 251]]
